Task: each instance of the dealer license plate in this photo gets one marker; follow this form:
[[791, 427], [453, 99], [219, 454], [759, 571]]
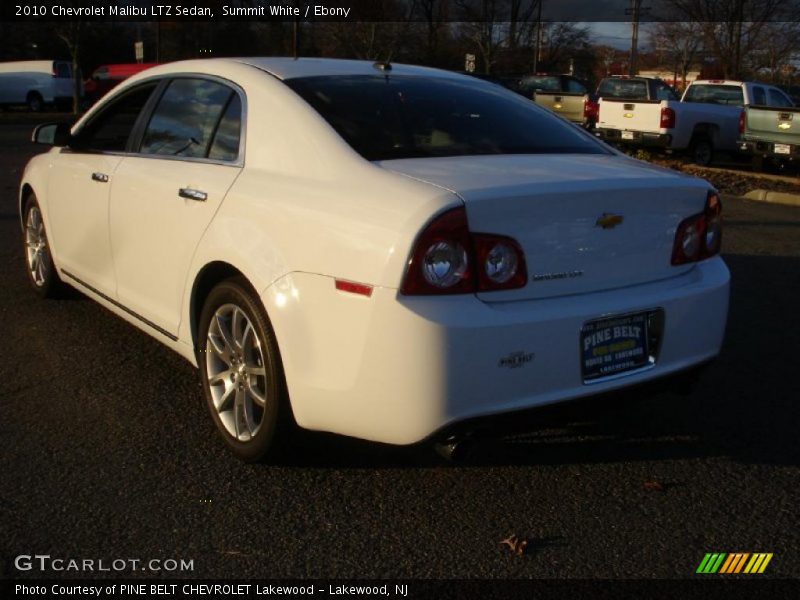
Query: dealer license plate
[[627, 135], [615, 345], [783, 149]]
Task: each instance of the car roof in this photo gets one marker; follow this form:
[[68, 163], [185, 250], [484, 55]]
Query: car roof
[[291, 68]]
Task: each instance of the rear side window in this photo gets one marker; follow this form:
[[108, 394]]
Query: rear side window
[[731, 95], [630, 89], [186, 117], [397, 116], [226, 139], [759, 96], [776, 98], [110, 129], [575, 87]]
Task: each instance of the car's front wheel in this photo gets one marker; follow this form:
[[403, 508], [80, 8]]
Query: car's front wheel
[[41, 271], [240, 369]]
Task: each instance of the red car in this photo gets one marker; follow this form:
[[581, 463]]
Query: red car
[[107, 77]]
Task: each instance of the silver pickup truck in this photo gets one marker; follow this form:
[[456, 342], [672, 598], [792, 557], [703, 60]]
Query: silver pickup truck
[[770, 133]]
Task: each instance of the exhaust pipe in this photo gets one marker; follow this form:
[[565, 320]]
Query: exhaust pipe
[[455, 447]]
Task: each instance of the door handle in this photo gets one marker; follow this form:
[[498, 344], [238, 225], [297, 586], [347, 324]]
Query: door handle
[[101, 177], [191, 194]]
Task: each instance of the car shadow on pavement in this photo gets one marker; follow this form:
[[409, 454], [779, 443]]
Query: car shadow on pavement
[[743, 407]]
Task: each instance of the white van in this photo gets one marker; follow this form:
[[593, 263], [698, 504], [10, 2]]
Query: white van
[[36, 83]]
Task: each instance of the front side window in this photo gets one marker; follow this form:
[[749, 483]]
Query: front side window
[[186, 117], [110, 129], [396, 116]]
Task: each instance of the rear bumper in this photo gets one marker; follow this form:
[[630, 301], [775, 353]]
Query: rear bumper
[[639, 138], [398, 369], [767, 149]]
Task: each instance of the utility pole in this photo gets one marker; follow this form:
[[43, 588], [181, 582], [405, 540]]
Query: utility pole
[[538, 50], [635, 11]]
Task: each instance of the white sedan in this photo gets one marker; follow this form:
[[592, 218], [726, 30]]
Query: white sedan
[[378, 250]]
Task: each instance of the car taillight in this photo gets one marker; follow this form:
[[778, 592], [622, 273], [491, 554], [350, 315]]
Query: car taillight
[[699, 236], [590, 110], [500, 264], [448, 259], [741, 122], [667, 118]]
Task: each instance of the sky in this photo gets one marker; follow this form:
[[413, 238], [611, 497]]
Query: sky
[[617, 35]]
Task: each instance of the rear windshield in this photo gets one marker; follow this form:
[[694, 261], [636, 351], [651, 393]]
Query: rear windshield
[[540, 83], [395, 116], [715, 94], [630, 89]]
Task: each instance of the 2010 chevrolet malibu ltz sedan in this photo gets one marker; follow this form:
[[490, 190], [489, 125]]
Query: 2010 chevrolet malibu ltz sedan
[[378, 250]]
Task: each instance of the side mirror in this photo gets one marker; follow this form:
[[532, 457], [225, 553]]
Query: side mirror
[[51, 134]]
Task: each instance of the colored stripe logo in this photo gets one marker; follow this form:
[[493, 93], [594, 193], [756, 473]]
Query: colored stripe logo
[[735, 562]]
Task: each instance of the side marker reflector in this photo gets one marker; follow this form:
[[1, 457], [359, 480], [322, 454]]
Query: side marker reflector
[[354, 288]]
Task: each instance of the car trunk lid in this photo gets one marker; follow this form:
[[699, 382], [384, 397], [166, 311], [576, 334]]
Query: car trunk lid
[[584, 222]]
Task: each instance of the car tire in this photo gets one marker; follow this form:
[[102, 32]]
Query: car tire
[[41, 271], [241, 371], [757, 163], [702, 151], [35, 102]]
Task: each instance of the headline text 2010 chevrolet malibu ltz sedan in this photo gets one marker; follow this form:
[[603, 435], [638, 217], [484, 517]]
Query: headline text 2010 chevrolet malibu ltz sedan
[[379, 250]]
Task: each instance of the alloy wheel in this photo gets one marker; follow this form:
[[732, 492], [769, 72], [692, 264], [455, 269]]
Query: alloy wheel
[[36, 247], [237, 376]]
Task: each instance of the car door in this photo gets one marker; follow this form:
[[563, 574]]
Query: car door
[[79, 186], [165, 195]]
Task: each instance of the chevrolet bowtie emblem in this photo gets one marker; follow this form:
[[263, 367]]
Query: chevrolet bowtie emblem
[[784, 125], [608, 221]]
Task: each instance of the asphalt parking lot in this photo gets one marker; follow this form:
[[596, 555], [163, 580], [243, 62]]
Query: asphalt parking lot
[[106, 451]]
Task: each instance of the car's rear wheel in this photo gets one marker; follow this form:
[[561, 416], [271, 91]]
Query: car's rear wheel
[[702, 151], [35, 102], [240, 370], [41, 271]]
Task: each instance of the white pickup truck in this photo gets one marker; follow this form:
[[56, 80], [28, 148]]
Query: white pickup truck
[[705, 120]]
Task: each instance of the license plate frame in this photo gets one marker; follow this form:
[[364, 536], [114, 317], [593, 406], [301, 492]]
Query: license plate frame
[[616, 345], [782, 149], [627, 135]]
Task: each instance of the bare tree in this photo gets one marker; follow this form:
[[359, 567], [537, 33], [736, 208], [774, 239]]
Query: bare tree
[[482, 27], [562, 41], [780, 42], [680, 42], [733, 29], [435, 14], [70, 33]]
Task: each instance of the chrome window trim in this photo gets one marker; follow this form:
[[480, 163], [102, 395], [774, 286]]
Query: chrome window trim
[[235, 87]]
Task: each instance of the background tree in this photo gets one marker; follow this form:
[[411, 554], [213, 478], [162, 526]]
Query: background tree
[[678, 44], [733, 30]]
